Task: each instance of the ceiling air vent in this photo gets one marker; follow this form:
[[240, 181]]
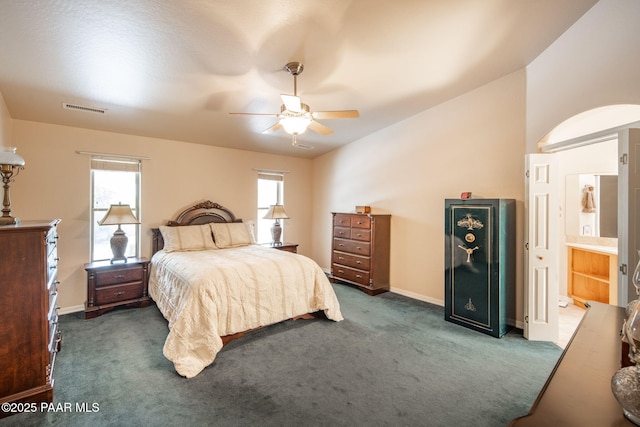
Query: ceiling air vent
[[68, 106], [304, 147]]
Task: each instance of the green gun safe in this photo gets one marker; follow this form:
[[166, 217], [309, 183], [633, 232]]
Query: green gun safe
[[480, 262]]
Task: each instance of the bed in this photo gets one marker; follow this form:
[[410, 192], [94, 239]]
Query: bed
[[213, 283]]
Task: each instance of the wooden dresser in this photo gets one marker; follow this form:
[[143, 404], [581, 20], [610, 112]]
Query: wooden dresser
[[360, 250], [28, 311], [578, 391]]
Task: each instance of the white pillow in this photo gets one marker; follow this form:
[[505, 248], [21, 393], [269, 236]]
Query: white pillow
[[230, 234], [187, 238]]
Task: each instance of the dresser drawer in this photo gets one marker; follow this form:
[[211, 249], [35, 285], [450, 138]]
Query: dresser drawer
[[350, 274], [342, 220], [356, 261], [343, 232], [352, 246], [118, 293], [360, 221], [361, 234], [121, 275]]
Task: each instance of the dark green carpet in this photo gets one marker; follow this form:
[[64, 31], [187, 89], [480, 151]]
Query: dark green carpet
[[392, 361]]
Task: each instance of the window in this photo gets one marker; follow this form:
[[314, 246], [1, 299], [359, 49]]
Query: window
[[113, 181], [269, 193]]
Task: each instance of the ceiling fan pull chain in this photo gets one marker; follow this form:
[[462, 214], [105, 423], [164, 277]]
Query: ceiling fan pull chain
[[294, 142]]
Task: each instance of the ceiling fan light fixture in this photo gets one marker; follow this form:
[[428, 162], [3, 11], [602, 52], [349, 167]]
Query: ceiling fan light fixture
[[295, 125]]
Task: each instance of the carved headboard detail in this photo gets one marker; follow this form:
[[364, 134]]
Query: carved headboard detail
[[200, 213]]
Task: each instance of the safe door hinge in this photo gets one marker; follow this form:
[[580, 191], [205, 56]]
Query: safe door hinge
[[526, 246], [624, 159], [623, 268], [526, 319]]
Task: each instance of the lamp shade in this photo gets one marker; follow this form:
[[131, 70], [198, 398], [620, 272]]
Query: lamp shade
[[8, 156], [276, 212], [119, 214]]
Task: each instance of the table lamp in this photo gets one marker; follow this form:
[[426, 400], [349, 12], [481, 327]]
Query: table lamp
[[117, 215], [276, 212], [10, 166]]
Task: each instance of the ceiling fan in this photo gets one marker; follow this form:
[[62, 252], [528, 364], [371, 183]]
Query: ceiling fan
[[296, 117]]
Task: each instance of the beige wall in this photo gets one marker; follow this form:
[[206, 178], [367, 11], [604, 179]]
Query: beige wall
[[595, 63], [55, 184], [472, 143], [6, 124]]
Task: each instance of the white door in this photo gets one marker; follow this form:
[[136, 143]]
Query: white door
[[541, 248], [628, 211]]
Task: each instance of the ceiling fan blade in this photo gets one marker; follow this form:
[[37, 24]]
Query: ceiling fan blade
[[272, 129], [292, 103], [342, 114], [320, 128], [256, 114]]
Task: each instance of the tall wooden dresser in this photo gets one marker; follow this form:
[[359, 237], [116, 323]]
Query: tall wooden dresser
[[29, 336], [360, 250]]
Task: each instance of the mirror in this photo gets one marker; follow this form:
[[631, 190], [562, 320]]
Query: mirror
[[591, 205]]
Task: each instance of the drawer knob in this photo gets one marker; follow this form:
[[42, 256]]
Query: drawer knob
[[340, 271], [359, 248], [359, 234], [341, 244], [119, 293], [358, 262], [119, 276], [358, 276], [340, 257]]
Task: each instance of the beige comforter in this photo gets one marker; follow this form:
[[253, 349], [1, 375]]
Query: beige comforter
[[208, 294]]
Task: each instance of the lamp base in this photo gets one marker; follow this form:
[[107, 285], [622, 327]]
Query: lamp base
[[119, 242], [276, 234], [8, 220]]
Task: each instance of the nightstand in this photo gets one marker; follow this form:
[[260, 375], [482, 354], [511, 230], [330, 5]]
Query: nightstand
[[286, 246], [116, 285]]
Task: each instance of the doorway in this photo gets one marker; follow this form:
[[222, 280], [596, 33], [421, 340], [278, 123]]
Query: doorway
[[579, 151]]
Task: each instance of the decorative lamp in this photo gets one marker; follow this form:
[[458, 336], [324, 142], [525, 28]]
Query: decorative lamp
[[117, 215], [625, 383], [276, 212], [10, 166]]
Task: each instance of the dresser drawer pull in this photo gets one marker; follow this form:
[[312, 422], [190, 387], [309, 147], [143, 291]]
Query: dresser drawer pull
[[340, 271], [358, 262], [359, 235], [359, 222], [341, 232], [119, 293], [119, 276], [341, 244], [340, 258], [359, 248], [358, 276]]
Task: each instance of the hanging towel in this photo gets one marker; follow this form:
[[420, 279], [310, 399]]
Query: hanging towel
[[588, 200]]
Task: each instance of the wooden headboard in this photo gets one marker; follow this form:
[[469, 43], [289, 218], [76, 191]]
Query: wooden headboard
[[200, 213]]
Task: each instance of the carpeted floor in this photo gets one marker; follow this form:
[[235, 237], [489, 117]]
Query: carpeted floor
[[392, 361]]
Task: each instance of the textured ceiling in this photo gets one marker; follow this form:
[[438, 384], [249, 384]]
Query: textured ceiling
[[176, 69]]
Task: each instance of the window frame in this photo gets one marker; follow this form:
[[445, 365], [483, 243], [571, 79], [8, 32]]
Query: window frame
[[262, 210], [115, 164]]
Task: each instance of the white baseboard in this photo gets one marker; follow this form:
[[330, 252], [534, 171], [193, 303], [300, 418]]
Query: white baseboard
[[72, 309], [418, 296]]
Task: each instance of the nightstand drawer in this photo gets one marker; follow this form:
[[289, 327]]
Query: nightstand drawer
[[121, 275], [117, 293]]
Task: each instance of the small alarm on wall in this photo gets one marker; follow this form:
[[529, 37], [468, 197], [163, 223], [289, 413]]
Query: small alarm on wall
[[465, 195]]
